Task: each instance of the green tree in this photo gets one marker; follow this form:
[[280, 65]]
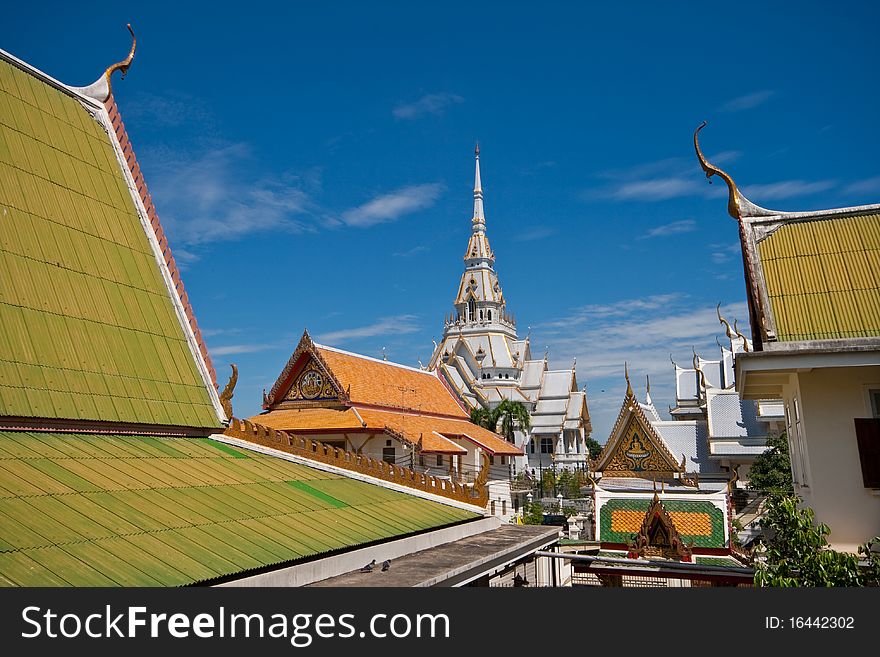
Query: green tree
[[533, 513], [771, 471], [569, 483], [510, 415], [593, 446], [797, 553]]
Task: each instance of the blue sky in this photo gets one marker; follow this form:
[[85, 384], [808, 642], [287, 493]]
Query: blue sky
[[313, 163]]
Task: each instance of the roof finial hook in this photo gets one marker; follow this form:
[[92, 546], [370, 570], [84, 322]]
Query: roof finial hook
[[711, 170], [629, 389], [727, 328], [740, 335], [100, 89]]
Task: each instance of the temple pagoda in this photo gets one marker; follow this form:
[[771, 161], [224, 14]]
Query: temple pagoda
[[485, 361]]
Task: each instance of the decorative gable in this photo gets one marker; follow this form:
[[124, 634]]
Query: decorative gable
[[635, 449], [306, 379], [312, 384]]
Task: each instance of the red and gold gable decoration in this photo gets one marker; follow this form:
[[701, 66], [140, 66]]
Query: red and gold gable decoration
[[306, 379], [635, 449], [312, 384], [658, 537]]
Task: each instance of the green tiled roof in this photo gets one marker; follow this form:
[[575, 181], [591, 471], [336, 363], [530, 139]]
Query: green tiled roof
[[695, 520], [99, 510], [88, 330], [823, 278]]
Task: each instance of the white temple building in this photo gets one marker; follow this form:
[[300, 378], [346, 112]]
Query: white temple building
[[732, 431], [485, 361]]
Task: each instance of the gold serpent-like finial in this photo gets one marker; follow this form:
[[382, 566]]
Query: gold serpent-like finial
[[629, 389], [125, 63], [729, 331], [745, 342], [101, 89], [226, 395], [696, 363], [711, 170]]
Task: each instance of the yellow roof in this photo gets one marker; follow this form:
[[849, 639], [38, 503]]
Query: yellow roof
[[823, 277]]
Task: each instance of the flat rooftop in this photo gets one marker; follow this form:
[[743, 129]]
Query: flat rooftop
[[454, 563]]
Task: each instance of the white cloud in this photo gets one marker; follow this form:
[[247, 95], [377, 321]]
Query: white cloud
[[866, 186], [231, 349], [388, 326], [435, 104], [786, 189], [642, 332], [208, 198], [411, 253], [661, 180], [674, 228], [748, 101], [534, 234], [393, 205], [170, 110], [721, 253]]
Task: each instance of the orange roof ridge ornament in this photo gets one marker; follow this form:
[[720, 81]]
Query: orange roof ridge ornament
[[101, 89], [629, 390], [738, 206], [226, 395]]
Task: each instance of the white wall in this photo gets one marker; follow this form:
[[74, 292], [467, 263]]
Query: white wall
[[830, 398]]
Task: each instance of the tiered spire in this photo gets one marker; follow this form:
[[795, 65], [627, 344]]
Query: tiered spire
[[480, 302], [479, 217]]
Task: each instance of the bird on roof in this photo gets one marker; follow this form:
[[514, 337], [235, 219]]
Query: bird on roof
[[386, 565], [369, 567]]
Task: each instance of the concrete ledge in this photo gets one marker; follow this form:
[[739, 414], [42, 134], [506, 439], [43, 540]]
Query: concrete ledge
[[320, 569]]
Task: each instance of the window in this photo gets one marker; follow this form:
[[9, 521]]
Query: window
[[491, 459], [387, 443], [868, 437], [388, 454], [489, 315], [531, 447], [546, 445], [503, 507], [422, 460], [439, 459], [472, 310]]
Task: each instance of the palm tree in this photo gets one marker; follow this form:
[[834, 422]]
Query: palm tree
[[511, 414]]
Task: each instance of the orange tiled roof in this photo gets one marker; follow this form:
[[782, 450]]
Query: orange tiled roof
[[415, 426], [411, 426], [296, 419], [380, 383]]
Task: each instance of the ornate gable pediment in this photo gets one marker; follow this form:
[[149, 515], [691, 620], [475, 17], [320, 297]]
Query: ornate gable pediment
[[658, 536], [306, 379], [635, 449]]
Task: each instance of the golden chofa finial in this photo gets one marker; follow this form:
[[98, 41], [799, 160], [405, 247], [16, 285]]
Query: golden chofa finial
[[100, 89], [732, 200], [629, 389], [729, 331], [745, 342], [696, 363]]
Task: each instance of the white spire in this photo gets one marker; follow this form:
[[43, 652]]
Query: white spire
[[479, 217]]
